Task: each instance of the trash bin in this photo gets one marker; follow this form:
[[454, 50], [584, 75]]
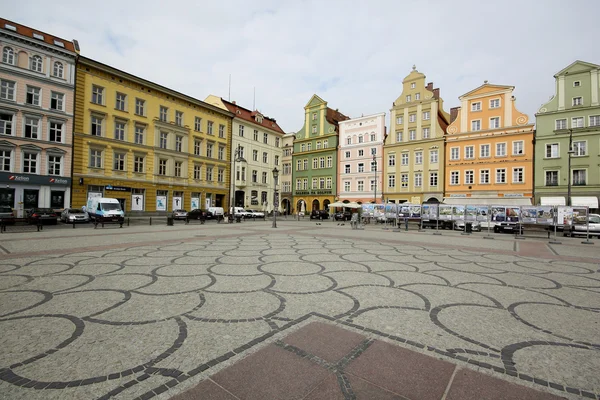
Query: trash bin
[[170, 220], [468, 227]]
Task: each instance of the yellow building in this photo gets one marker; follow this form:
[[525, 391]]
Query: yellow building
[[151, 147]]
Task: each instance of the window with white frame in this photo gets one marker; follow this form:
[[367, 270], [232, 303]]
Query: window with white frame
[[433, 179], [408, 98], [139, 134], [426, 115], [484, 176], [319, 145], [298, 184], [221, 175], [347, 154], [373, 166], [163, 137], [594, 120], [308, 146], [305, 183], [413, 85], [561, 124], [179, 118], [305, 164], [426, 133], [32, 128], [418, 179], [221, 153], [325, 144], [254, 176], [577, 101], [33, 96], [551, 178], [265, 138], [347, 168], [391, 181], [552, 150], [518, 176], [138, 164], [433, 156], [54, 165], [119, 161], [476, 106], [398, 136], [57, 70], [476, 125], [518, 148], [360, 139], [500, 149], [162, 166], [495, 103], [360, 186], [315, 183], [140, 106], [209, 150], [469, 177], [95, 158], [412, 134], [177, 168], [580, 148], [454, 177], [329, 161], [579, 177], [328, 183], [361, 153], [254, 155], [372, 138], [577, 122], [35, 63], [119, 130], [241, 131], [97, 94], [348, 140], [5, 160], [494, 122], [412, 117], [6, 123], [121, 101], [484, 151], [454, 153], [315, 163], [403, 180], [391, 160], [361, 167], [209, 173], [8, 55], [265, 157], [178, 143], [30, 162], [418, 157], [197, 172], [404, 159], [57, 101], [501, 175], [163, 113], [7, 90], [469, 152], [222, 131], [399, 120], [298, 165]]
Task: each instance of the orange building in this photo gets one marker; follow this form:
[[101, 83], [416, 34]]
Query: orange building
[[489, 150]]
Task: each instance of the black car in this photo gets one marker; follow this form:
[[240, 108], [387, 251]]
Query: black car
[[198, 214], [319, 214], [342, 216], [43, 215], [7, 215]]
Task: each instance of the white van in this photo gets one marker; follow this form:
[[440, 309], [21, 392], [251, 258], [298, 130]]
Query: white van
[[216, 212], [105, 209], [240, 212]]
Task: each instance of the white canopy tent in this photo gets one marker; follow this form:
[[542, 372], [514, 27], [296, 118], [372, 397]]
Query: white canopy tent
[[585, 201], [552, 201], [492, 201]]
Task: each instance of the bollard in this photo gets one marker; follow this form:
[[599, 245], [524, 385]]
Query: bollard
[[150, 220], [73, 224], [127, 221], [406, 224]]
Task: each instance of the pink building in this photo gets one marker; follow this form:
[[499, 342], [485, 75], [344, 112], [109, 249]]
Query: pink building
[[37, 82], [360, 158]]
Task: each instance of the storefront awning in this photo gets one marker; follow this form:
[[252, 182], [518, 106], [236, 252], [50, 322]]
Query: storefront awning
[[552, 201], [491, 201], [585, 201]]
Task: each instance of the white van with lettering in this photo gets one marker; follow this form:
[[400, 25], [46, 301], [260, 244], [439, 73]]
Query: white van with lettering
[[104, 209]]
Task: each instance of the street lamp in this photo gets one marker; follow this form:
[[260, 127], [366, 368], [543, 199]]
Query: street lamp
[[375, 182], [570, 153], [275, 175], [238, 155]]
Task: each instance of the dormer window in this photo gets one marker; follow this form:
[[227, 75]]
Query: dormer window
[[38, 36], [59, 43], [10, 27], [576, 83]]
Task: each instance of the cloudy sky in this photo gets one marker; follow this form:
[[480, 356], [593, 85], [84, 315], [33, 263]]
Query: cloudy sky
[[353, 54]]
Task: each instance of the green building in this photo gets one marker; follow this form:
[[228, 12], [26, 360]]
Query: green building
[[570, 121], [314, 161]]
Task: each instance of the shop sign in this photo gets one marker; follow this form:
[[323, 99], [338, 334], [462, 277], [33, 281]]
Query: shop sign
[[118, 188]]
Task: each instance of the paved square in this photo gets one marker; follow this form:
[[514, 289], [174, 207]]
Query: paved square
[[149, 312]]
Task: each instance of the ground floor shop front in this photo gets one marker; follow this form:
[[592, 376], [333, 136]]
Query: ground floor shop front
[[148, 197], [22, 192], [308, 203]]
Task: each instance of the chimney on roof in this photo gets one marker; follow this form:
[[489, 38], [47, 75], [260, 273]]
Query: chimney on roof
[[453, 113], [436, 93], [429, 86], [234, 102]]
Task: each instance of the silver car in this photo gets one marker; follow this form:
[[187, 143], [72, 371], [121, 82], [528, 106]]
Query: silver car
[[180, 214], [460, 225], [580, 226], [70, 215]]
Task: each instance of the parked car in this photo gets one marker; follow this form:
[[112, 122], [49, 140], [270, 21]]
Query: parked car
[[70, 215], [180, 214], [508, 227], [43, 215], [255, 214], [580, 226], [7, 215], [319, 214], [460, 225], [197, 214], [342, 216]]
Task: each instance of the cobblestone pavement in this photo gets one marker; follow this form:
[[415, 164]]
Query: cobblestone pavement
[[148, 313]]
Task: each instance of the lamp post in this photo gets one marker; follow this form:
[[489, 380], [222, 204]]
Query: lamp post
[[375, 182], [275, 175], [237, 157], [569, 152]]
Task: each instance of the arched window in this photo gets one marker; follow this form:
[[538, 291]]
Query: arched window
[[8, 55], [58, 69], [35, 63]]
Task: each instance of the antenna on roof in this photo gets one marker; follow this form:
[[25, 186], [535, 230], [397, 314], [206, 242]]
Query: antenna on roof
[[229, 99]]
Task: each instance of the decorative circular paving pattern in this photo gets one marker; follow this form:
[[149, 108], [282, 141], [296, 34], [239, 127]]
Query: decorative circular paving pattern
[[135, 322]]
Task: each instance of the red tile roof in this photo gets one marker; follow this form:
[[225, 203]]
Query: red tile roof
[[48, 39], [334, 117], [251, 116]]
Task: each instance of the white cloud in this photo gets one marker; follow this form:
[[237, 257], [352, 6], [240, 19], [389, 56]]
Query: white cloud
[[353, 54]]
